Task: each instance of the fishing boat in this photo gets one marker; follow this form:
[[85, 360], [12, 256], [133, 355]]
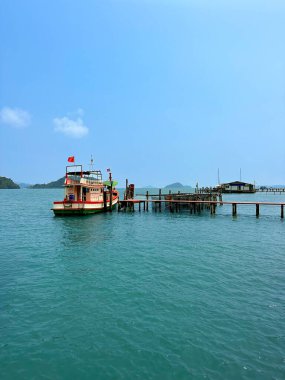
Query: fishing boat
[[85, 192]]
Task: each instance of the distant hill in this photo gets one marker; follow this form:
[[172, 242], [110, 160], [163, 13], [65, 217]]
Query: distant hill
[[176, 185], [7, 183], [51, 185], [23, 185]]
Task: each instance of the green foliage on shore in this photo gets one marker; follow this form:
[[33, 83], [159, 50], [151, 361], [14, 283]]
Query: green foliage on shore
[[7, 183], [51, 185]]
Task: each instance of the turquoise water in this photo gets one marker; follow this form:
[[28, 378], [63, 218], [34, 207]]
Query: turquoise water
[[140, 295]]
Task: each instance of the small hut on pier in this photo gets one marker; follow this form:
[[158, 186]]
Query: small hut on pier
[[237, 187]]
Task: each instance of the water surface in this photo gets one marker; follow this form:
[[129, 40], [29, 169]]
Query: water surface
[[140, 295]]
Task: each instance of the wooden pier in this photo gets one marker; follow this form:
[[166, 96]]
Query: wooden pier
[[193, 206], [271, 190], [191, 202]]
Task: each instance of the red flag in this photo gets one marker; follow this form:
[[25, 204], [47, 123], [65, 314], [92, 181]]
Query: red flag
[[70, 159]]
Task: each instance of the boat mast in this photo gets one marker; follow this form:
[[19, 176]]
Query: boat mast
[[91, 163]]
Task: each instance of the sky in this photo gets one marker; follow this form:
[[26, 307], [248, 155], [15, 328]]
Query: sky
[[159, 91]]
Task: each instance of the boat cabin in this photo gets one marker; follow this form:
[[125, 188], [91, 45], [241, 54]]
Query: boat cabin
[[86, 186]]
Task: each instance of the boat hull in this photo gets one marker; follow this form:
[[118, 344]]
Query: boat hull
[[81, 208]]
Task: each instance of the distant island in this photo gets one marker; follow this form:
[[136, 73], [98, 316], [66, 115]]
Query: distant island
[[51, 185], [175, 185], [23, 185], [7, 183]]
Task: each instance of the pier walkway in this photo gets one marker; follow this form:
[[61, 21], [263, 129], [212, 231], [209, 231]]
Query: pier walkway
[[271, 190], [194, 206], [191, 202]]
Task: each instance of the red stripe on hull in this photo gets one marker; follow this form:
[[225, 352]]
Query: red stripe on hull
[[83, 202]]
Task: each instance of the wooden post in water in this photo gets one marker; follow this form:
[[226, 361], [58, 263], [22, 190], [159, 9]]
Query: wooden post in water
[[170, 203], [147, 200], [126, 191], [105, 200], [159, 205], [257, 210], [111, 191], [282, 211], [234, 209], [111, 197], [212, 207]]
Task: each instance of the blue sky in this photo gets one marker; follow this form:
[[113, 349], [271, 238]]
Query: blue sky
[[158, 91]]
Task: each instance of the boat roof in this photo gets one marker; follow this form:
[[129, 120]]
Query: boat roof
[[86, 172]]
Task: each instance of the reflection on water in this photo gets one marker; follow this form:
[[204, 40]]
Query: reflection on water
[[83, 231]]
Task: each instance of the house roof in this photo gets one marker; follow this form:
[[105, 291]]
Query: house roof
[[237, 183]]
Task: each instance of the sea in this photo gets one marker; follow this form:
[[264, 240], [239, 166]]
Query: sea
[[141, 295]]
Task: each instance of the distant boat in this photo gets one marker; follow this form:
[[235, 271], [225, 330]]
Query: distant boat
[[86, 193]]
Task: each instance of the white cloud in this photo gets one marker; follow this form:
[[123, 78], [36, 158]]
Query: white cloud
[[69, 127], [14, 117]]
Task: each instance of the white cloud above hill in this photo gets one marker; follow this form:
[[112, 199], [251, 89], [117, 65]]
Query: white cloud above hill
[[69, 127]]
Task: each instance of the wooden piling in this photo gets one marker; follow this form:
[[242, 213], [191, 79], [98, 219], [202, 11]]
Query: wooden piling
[[170, 203], [105, 200], [127, 185], [159, 197], [111, 196], [147, 200], [257, 210], [282, 211], [234, 209]]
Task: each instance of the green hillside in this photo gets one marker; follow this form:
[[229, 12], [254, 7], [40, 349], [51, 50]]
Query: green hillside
[[51, 185], [7, 183]]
